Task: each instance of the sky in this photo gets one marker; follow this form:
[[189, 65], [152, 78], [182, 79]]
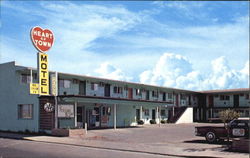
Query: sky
[[199, 45]]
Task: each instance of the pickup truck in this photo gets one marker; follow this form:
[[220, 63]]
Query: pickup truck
[[237, 128]]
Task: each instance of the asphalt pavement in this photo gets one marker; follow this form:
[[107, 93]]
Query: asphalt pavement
[[13, 148], [169, 140]]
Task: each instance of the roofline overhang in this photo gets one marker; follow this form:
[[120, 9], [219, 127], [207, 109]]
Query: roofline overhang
[[109, 100], [219, 91]]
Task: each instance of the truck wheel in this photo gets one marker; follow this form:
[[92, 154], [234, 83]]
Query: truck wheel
[[211, 137]]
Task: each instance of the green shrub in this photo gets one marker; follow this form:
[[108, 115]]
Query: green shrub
[[163, 121], [152, 122], [27, 131], [140, 122], [226, 116]]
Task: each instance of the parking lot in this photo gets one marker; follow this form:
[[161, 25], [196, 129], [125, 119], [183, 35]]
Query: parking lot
[[167, 135], [169, 140], [180, 134]]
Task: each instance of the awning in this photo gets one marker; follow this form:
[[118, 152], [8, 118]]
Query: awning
[[108, 100]]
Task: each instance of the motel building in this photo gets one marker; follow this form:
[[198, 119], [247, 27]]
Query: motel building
[[92, 102]]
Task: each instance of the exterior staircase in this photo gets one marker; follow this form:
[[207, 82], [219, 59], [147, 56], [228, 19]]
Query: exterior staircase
[[178, 111]]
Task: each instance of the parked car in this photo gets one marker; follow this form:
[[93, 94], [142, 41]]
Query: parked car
[[237, 128]]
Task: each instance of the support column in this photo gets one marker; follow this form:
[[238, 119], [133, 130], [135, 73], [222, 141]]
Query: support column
[[56, 113], [157, 112], [197, 114], [211, 113], [202, 114], [114, 116], [173, 110], [140, 112], [159, 116], [75, 114]]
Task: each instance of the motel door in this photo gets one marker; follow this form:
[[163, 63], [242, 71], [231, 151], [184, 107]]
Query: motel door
[[130, 93], [164, 96], [105, 116], [147, 95], [82, 88], [137, 114], [236, 100], [93, 117], [176, 100], [153, 114], [80, 116], [211, 101], [107, 90]]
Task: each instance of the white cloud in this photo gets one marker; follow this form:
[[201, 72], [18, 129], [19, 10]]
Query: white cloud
[[176, 71], [245, 69], [201, 43], [190, 81], [180, 5], [223, 76], [167, 69], [107, 70], [78, 27]]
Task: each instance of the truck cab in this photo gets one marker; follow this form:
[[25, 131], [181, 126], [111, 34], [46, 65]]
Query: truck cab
[[237, 128]]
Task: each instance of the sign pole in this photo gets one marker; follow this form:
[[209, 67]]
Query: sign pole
[[56, 104], [31, 76]]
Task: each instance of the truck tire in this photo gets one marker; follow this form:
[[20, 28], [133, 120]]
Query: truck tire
[[211, 137]]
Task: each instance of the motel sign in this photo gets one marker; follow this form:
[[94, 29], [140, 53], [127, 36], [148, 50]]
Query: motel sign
[[42, 40], [43, 73]]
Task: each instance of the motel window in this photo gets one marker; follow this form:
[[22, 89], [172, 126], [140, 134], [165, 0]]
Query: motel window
[[103, 111], [118, 90], [155, 94], [94, 86], [224, 97], [64, 83], [146, 112], [247, 96], [247, 113], [115, 89], [108, 110], [183, 96], [25, 78], [137, 92], [25, 111], [163, 112], [193, 98], [170, 95]]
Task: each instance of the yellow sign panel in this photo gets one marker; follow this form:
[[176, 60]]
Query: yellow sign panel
[[43, 74], [34, 88]]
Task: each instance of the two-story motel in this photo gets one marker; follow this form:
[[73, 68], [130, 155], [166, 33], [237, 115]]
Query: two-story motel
[[103, 103]]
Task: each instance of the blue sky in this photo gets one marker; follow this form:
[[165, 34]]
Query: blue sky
[[190, 45]]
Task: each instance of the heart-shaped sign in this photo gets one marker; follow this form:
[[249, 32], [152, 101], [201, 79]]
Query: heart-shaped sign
[[42, 38]]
